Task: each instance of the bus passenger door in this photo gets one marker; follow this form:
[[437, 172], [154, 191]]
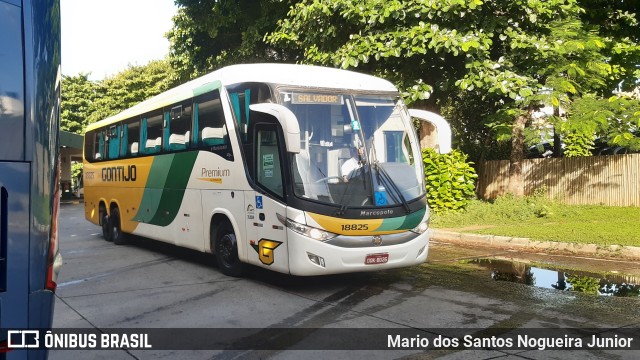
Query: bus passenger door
[[266, 235]]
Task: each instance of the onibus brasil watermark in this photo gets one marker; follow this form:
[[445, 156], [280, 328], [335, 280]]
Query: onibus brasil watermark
[[37, 339]]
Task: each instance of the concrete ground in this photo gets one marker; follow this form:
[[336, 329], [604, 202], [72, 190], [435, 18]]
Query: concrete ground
[[153, 285]]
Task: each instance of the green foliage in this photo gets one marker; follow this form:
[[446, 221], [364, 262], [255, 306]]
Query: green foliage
[[503, 210], [76, 170], [503, 57], [578, 144], [77, 96], [129, 87], [536, 206], [615, 121], [85, 101], [515, 49], [584, 284], [208, 34], [450, 180], [418, 47], [617, 20], [515, 56], [500, 123], [470, 118], [511, 55], [540, 218]]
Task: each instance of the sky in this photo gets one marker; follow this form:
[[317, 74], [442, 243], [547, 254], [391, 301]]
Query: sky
[[103, 37]]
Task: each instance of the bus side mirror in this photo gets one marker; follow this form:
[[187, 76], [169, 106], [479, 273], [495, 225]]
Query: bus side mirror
[[287, 120], [442, 127]]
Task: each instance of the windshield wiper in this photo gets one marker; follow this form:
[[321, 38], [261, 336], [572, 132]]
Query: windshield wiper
[[386, 180], [361, 170]]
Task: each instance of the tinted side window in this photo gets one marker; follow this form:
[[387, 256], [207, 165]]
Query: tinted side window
[[89, 145], [151, 133], [243, 95], [210, 120], [178, 126], [99, 145], [132, 141], [210, 130], [113, 139], [95, 145]]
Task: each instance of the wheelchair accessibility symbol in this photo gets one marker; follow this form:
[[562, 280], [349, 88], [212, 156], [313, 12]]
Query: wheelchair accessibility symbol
[[381, 198]]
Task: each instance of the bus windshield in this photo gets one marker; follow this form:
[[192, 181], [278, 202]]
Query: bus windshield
[[355, 150]]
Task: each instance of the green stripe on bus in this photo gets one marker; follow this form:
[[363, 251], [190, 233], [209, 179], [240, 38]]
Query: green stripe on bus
[[153, 188], [174, 188], [403, 222], [391, 224], [413, 220], [206, 88]]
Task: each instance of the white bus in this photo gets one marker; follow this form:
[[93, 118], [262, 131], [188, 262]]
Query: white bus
[[298, 169]]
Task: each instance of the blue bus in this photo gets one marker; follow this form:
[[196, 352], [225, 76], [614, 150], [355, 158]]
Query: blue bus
[[29, 172]]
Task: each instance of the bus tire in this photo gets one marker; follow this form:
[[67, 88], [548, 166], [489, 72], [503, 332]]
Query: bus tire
[[227, 252], [104, 223], [118, 237]]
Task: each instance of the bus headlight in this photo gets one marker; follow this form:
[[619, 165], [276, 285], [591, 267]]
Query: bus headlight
[[422, 227], [308, 231]]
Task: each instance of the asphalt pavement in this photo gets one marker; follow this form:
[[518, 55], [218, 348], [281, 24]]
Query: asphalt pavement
[[148, 284]]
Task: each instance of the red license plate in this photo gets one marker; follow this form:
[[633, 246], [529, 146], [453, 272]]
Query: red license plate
[[373, 259]]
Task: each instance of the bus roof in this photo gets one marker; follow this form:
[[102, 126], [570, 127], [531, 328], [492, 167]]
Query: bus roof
[[284, 74]]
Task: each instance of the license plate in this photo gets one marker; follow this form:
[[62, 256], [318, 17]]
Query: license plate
[[373, 259]]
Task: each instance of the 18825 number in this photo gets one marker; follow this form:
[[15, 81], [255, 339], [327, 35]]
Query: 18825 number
[[355, 227]]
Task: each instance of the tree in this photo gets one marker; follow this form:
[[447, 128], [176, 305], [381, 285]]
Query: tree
[[472, 118], [208, 34], [77, 97], [129, 87], [614, 121], [406, 42], [618, 19], [517, 55]]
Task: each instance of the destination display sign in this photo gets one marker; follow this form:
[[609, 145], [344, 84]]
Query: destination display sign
[[308, 98]]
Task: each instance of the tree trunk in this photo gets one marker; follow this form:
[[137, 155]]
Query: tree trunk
[[428, 136], [516, 177]]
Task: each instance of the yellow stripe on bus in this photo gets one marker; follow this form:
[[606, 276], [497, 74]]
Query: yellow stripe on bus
[[213, 180], [126, 185], [351, 226]]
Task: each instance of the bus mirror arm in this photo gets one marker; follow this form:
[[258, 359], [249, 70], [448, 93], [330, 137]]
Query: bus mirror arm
[[287, 120], [442, 127]]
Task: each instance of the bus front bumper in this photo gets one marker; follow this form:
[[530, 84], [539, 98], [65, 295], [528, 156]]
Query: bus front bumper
[[312, 257]]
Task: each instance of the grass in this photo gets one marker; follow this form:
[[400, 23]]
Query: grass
[[541, 219]]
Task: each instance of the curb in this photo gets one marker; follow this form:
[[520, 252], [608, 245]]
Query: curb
[[526, 244]]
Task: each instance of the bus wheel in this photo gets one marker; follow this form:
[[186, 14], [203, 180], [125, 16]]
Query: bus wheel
[[227, 252], [104, 223], [119, 238]]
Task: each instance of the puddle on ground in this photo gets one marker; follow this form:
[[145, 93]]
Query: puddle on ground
[[608, 284]]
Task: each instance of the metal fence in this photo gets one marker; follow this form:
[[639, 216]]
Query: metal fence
[[594, 180]]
